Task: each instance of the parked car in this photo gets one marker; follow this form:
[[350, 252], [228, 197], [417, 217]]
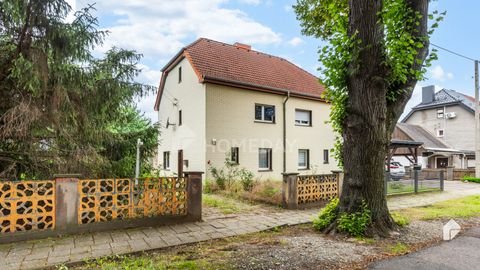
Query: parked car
[[397, 171]]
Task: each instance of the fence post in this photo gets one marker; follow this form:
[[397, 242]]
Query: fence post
[[290, 191], [66, 201], [416, 170], [442, 180], [386, 177], [340, 175], [450, 173], [194, 195]]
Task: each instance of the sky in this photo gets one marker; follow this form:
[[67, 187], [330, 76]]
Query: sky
[[160, 28]]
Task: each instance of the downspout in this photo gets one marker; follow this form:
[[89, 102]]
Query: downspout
[[285, 132]]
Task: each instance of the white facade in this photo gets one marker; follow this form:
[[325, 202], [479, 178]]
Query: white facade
[[216, 118]]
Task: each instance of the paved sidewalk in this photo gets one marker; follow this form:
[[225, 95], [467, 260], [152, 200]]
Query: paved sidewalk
[[459, 254], [49, 252]]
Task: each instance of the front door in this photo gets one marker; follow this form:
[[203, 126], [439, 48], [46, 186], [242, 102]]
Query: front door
[[442, 163]]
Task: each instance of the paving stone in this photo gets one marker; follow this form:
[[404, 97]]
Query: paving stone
[[156, 242], [135, 234], [59, 252], [37, 262], [57, 260], [118, 250], [81, 250], [138, 245]]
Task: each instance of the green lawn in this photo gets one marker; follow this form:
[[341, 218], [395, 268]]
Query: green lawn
[[458, 208]]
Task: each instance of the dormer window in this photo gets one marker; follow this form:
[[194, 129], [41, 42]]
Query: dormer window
[[440, 113], [179, 74]]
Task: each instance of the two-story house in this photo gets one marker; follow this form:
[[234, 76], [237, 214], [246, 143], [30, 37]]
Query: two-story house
[[449, 116], [218, 101]]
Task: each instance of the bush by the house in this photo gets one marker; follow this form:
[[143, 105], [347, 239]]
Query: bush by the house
[[235, 181], [471, 179], [355, 224], [327, 215]]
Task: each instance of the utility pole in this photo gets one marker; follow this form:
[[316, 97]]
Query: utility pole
[[477, 124], [137, 163]]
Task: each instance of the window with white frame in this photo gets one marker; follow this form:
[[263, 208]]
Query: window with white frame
[[303, 117], [166, 160], [440, 113], [265, 113], [303, 158], [440, 132], [265, 159]]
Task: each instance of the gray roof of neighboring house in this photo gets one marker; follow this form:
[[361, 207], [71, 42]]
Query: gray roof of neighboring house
[[446, 97], [417, 133]]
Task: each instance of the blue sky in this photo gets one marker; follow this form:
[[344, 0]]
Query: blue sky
[[160, 28]]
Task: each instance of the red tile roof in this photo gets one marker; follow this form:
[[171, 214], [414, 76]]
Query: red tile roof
[[238, 66]]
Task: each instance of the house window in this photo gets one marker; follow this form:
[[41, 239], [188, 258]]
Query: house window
[[265, 113], [166, 160], [325, 156], [265, 159], [303, 118], [234, 155], [179, 74], [303, 159], [440, 113], [179, 117], [440, 132]]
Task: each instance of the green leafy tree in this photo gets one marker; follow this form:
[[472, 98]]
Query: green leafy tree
[[62, 110], [376, 52]]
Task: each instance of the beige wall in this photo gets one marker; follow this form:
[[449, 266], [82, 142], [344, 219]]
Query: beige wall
[[459, 131], [231, 123], [190, 136]]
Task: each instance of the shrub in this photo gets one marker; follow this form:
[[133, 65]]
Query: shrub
[[355, 224], [246, 178], [326, 216], [471, 179], [210, 186], [400, 219]]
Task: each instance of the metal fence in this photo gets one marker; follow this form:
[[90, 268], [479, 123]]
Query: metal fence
[[415, 181]]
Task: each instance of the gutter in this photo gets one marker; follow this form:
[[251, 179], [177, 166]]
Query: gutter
[[262, 88], [285, 132]]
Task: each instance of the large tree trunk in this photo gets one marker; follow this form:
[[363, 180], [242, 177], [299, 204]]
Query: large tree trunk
[[365, 134]]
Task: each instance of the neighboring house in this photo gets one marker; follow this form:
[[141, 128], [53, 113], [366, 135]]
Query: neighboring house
[[218, 100], [449, 117]]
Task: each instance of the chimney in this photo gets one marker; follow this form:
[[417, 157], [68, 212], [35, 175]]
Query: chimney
[[428, 94], [242, 46]]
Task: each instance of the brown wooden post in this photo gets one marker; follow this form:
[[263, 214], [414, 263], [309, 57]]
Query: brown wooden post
[[194, 195], [290, 190], [66, 201], [180, 163]]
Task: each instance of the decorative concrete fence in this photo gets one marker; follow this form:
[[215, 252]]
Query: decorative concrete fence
[[304, 191], [458, 174], [68, 205]]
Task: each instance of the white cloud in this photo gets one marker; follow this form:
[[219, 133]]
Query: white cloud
[[287, 8], [295, 41], [158, 29], [438, 73]]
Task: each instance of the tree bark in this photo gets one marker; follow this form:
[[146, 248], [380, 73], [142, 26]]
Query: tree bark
[[370, 119], [365, 141]]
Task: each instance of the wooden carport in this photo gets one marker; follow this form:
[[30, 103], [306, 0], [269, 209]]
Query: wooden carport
[[408, 149]]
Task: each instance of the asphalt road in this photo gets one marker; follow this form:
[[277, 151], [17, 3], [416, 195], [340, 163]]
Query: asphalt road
[[462, 253]]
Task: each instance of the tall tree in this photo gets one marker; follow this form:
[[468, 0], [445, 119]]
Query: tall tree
[[377, 51], [58, 103]]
